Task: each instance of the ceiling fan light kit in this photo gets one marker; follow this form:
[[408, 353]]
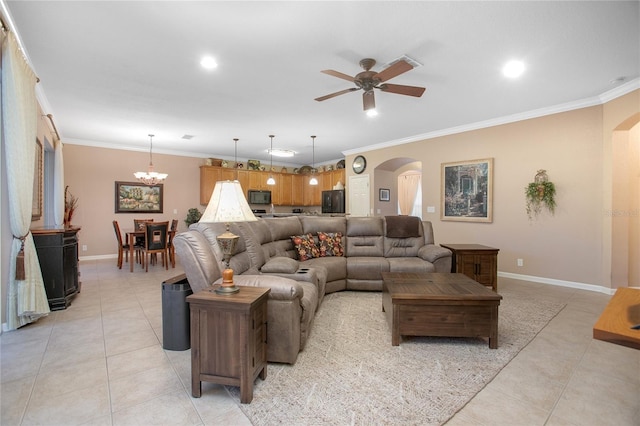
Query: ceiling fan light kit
[[368, 80]]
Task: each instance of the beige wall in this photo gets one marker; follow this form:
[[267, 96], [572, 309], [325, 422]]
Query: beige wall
[[91, 173], [569, 246]]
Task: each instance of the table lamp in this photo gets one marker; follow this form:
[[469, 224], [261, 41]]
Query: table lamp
[[228, 204]]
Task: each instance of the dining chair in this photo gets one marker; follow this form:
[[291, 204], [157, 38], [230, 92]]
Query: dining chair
[[138, 225], [172, 249], [156, 241], [123, 248]]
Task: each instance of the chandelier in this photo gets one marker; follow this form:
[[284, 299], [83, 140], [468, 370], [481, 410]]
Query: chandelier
[[150, 177]]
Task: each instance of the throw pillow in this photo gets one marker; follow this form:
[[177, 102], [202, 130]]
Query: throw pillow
[[330, 244], [280, 265], [306, 246]]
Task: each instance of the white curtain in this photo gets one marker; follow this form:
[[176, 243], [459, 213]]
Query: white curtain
[[58, 186], [407, 189], [26, 299]]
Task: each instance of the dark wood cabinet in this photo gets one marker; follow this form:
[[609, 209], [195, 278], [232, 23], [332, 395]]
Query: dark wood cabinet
[[476, 261], [58, 256], [229, 339]]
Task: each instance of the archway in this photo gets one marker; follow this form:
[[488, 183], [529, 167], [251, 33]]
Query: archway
[[625, 211], [386, 177]]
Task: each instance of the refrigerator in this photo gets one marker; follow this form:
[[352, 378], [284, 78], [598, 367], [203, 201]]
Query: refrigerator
[[333, 201]]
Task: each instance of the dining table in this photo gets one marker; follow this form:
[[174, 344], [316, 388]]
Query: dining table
[[131, 238]]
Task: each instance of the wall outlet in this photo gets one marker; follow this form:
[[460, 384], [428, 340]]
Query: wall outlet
[[175, 211], [431, 209], [520, 262], [84, 247]]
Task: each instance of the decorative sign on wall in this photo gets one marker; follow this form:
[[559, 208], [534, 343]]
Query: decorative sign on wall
[[133, 197], [467, 191]]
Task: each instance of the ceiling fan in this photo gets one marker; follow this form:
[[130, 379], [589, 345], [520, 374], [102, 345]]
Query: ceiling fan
[[368, 80]]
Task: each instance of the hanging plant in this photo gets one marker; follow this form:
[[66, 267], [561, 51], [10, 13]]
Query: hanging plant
[[540, 193]]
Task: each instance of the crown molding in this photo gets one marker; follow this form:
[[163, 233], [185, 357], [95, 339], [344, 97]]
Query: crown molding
[[541, 112]]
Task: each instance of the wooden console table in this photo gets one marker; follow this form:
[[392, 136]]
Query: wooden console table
[[229, 339], [622, 312], [58, 256], [478, 262]]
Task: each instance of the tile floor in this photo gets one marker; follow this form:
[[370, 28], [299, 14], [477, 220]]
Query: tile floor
[[101, 362]]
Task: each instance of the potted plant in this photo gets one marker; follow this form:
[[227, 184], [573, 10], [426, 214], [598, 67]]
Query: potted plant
[[540, 193], [70, 205], [193, 216]]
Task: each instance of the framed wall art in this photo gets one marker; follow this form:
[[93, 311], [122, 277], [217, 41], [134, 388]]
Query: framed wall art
[[385, 194], [36, 207], [134, 197], [467, 191]]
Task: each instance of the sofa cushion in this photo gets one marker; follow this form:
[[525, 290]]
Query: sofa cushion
[[306, 246], [336, 266], [366, 268], [280, 265], [409, 264], [330, 244]]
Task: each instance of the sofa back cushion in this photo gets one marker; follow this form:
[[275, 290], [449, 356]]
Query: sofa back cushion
[[407, 246], [282, 228], [364, 236], [240, 261], [315, 224], [196, 257]]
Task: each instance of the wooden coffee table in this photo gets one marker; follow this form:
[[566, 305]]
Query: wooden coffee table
[[439, 304]]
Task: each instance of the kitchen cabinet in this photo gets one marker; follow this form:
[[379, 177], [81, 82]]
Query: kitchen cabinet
[[290, 189]]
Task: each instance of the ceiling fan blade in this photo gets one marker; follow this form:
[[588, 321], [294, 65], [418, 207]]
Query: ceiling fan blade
[[333, 95], [338, 74], [402, 90], [394, 70], [369, 100]]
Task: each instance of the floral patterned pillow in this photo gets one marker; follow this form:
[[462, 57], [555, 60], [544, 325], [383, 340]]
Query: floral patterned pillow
[[306, 246], [330, 244]]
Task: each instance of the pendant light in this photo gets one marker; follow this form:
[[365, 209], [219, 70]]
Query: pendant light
[[150, 177], [271, 180], [313, 180], [235, 158]]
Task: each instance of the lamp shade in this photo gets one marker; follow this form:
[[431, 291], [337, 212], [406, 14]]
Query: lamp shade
[[228, 204]]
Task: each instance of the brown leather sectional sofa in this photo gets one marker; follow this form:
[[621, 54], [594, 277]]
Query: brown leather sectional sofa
[[266, 257]]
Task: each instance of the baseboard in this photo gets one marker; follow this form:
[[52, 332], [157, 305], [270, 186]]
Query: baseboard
[[99, 257], [561, 283]]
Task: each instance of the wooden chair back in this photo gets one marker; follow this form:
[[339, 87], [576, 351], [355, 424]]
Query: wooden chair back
[[138, 224]]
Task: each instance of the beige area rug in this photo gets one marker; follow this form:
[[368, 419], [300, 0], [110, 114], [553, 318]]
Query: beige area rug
[[349, 374]]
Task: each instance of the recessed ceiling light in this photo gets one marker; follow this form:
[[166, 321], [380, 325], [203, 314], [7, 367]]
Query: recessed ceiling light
[[513, 69], [208, 63], [372, 113], [281, 152]]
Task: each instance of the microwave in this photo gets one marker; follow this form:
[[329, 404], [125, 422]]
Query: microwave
[[259, 197]]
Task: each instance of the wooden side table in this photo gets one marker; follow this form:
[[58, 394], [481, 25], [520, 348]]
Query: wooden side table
[[476, 261], [229, 339]]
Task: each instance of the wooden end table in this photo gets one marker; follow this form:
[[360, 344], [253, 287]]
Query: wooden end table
[[229, 339], [478, 262], [439, 304]]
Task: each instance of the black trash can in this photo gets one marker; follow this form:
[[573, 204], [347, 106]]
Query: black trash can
[[176, 330]]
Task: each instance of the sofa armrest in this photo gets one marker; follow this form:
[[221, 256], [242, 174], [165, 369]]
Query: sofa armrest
[[281, 288], [432, 252]]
